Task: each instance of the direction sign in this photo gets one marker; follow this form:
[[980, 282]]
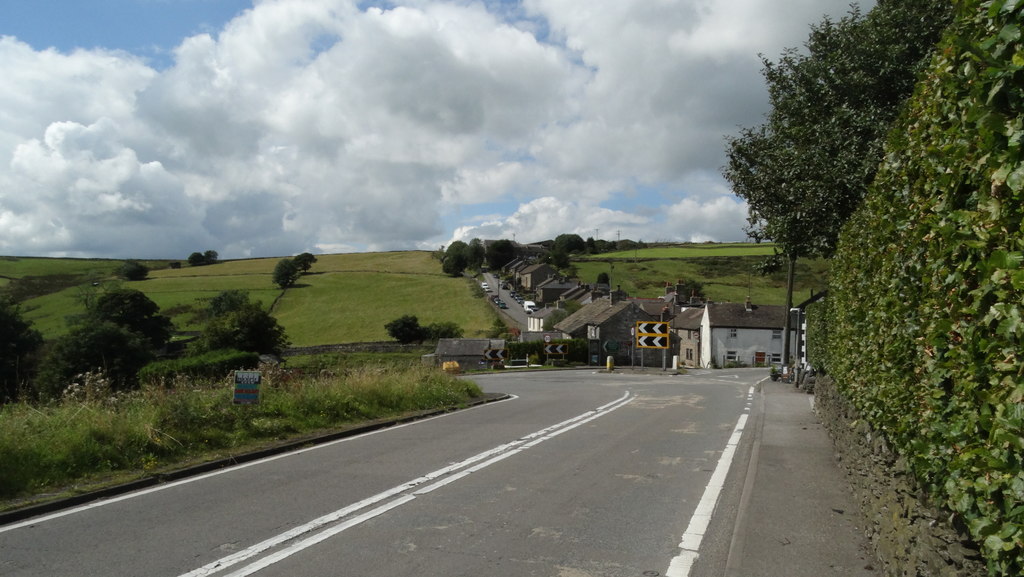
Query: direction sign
[[554, 349], [651, 328], [494, 354], [652, 341], [652, 335]]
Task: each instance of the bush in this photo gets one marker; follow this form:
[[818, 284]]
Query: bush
[[214, 364]]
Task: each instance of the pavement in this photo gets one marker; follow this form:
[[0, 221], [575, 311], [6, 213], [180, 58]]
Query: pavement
[[797, 516]]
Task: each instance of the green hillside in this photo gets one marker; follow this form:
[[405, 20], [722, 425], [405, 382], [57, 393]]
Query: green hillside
[[349, 297]]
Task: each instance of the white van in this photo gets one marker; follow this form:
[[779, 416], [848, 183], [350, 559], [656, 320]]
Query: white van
[[530, 306]]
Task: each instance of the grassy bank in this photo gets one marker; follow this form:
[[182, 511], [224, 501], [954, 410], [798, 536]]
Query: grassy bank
[[95, 435]]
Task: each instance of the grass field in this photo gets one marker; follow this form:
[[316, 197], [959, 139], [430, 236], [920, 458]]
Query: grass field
[[349, 297]]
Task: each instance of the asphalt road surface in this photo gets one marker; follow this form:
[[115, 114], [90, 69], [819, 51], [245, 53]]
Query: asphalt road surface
[[581, 473]]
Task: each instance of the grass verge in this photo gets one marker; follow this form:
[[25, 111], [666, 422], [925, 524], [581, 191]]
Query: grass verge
[[94, 437]]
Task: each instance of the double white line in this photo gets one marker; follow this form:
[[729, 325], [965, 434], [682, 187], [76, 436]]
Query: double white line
[[304, 536]]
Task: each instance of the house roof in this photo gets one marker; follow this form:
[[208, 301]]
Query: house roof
[[737, 315], [538, 267], [688, 318], [595, 313], [467, 347]]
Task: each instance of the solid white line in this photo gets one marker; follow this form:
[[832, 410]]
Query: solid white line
[[489, 457], [682, 564]]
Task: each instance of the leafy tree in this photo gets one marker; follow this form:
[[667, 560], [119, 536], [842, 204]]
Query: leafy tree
[[602, 278], [805, 170], [244, 327], [304, 261], [286, 273], [456, 258], [196, 259], [211, 257], [103, 346], [227, 302], [557, 258], [18, 342], [569, 244], [134, 311], [500, 253], [475, 254], [554, 317], [133, 270], [406, 329]]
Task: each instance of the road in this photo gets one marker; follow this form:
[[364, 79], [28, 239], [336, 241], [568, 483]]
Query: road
[[580, 473]]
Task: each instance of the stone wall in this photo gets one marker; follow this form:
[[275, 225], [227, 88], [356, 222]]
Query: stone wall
[[910, 537]]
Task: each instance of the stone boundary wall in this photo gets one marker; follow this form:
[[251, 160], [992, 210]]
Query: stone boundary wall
[[375, 347], [911, 538]]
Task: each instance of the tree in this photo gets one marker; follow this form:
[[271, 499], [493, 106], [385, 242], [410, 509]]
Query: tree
[[500, 253], [134, 311], [475, 254], [805, 170], [569, 244], [211, 257], [196, 259], [406, 329], [102, 346], [133, 270], [245, 327], [456, 258], [286, 273], [304, 261], [18, 342], [227, 302], [602, 278]]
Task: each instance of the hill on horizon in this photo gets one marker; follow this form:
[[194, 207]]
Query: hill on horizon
[[349, 297]]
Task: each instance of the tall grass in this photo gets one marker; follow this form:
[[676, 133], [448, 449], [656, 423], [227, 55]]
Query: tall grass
[[94, 434]]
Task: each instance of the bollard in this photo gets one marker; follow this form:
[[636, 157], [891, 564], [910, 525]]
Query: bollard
[[611, 363]]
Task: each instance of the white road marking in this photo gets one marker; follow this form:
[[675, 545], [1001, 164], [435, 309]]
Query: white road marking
[[333, 523], [682, 564]]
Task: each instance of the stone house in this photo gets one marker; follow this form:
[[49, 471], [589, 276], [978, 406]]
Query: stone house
[[687, 326], [469, 353], [609, 326], [552, 289], [531, 276]]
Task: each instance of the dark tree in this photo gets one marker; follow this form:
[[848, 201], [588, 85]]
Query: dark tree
[[570, 244], [94, 346], [211, 257], [133, 311], [475, 254], [406, 329], [305, 261], [500, 253], [456, 258], [245, 327], [227, 302], [196, 259], [18, 342], [286, 273], [133, 270]]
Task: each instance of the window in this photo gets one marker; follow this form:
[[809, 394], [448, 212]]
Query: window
[[777, 358], [776, 334], [689, 354], [733, 333], [731, 356]]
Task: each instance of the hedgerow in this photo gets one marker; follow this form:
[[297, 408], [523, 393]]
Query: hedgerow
[[928, 281]]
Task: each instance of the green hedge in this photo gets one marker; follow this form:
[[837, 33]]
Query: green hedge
[[577, 350], [214, 364], [927, 286]]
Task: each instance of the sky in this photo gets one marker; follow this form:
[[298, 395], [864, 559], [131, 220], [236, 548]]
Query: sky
[[268, 128]]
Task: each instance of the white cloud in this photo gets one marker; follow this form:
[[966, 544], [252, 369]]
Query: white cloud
[[327, 125]]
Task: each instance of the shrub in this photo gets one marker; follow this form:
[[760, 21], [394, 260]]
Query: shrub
[[214, 364]]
